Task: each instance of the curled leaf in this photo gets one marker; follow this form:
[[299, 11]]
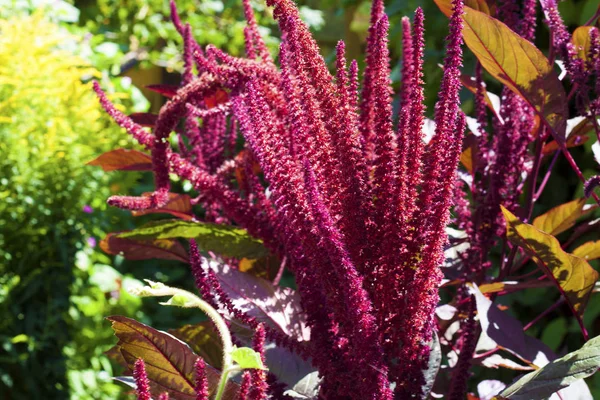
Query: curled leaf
[[123, 160]]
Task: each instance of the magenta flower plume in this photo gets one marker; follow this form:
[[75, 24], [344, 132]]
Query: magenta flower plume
[[356, 207], [141, 380], [201, 387], [245, 386], [259, 377], [163, 396]]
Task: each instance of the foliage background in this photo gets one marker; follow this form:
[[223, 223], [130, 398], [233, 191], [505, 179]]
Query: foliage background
[[56, 287]]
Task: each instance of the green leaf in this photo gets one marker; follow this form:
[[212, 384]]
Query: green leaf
[[556, 375], [169, 361], [225, 240], [574, 276], [247, 358], [560, 218], [517, 63]]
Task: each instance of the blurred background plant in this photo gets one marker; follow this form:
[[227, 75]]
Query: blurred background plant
[[52, 212], [56, 286]]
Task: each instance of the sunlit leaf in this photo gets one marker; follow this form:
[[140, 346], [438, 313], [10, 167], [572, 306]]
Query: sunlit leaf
[[135, 249], [276, 307], [574, 276], [169, 361], [469, 156], [515, 62], [588, 251], [221, 239], [123, 160], [204, 341], [582, 41], [179, 205], [560, 218], [556, 375], [264, 267], [247, 358]]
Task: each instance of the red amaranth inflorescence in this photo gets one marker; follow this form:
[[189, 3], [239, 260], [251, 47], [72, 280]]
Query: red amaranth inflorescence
[[356, 206]]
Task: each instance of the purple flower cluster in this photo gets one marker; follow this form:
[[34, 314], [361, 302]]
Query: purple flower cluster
[[357, 206]]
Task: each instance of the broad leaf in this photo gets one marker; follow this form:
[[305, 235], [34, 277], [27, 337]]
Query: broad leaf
[[288, 367], [507, 332], [204, 341], [556, 375], [221, 239], [169, 361], [247, 358], [588, 251], [582, 41], [560, 218], [485, 6], [264, 267], [134, 249], [277, 307], [573, 276], [179, 205], [516, 63], [123, 160]]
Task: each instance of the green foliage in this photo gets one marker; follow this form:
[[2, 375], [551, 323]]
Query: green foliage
[[556, 375], [50, 203], [221, 239], [141, 29]]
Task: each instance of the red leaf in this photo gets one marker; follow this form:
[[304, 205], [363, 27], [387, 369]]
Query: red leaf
[[137, 249], [204, 340], [123, 160], [169, 361], [214, 100], [166, 90], [179, 205], [144, 119]]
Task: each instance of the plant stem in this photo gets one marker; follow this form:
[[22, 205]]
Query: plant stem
[[225, 338]]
